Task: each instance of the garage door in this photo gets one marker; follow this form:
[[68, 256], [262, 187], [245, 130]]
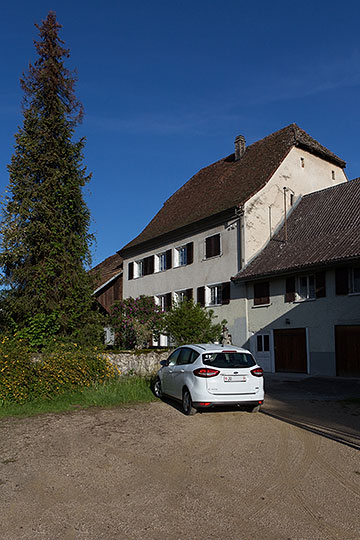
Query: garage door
[[290, 350], [347, 346]]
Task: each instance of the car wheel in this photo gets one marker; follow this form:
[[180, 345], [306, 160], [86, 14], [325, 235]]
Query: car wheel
[[254, 408], [157, 389], [187, 403]]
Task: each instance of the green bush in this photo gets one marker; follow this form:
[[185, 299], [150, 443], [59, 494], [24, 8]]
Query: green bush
[[60, 369], [188, 322]]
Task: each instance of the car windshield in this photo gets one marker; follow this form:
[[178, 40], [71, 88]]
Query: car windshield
[[228, 360]]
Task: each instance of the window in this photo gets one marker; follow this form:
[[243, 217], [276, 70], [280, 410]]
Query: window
[[187, 356], [302, 162], [332, 175], [263, 343], [164, 301], [355, 280], [212, 246], [148, 265], [261, 293], [184, 254], [131, 270], [305, 288], [214, 295], [161, 262], [139, 268], [180, 296]]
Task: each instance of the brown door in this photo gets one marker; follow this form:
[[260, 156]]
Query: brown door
[[290, 350], [347, 347]]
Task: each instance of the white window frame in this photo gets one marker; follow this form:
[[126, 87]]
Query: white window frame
[[179, 260], [310, 289], [180, 296], [160, 262], [213, 294], [139, 268], [262, 336], [160, 300]]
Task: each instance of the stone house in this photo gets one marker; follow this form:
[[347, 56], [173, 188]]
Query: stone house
[[303, 290], [221, 219]]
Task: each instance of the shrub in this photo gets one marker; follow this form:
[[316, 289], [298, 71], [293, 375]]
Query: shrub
[[188, 322], [136, 321], [59, 369]]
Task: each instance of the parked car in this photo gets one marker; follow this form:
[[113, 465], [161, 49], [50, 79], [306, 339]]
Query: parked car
[[202, 376]]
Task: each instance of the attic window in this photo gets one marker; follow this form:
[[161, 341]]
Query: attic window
[[333, 175], [302, 162]]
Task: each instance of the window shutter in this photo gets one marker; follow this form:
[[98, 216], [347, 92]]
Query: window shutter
[[190, 253], [212, 246], [225, 293], [168, 259], [261, 293], [201, 296], [149, 265], [168, 302], [189, 294], [320, 285], [342, 281], [131, 270], [290, 289]]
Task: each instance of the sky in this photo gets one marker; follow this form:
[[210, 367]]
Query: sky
[[168, 85]]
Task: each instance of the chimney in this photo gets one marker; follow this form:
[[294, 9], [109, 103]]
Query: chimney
[[240, 147]]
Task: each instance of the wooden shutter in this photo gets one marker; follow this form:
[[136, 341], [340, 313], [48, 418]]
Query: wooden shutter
[[168, 302], [212, 246], [131, 270], [320, 284], [168, 259], [201, 296], [190, 253], [342, 281], [149, 265], [290, 289], [189, 294], [261, 293], [225, 293]]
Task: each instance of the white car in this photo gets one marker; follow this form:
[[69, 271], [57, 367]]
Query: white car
[[202, 376]]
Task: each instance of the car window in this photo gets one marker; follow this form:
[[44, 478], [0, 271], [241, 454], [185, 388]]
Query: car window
[[187, 356], [229, 360], [173, 357]]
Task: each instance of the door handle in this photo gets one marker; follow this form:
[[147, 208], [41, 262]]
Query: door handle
[[182, 370]]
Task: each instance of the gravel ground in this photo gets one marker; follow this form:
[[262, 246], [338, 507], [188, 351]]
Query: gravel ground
[[149, 472]]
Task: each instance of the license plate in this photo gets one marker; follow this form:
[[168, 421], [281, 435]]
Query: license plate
[[234, 378]]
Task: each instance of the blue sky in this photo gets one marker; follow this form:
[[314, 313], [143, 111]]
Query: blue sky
[[167, 85]]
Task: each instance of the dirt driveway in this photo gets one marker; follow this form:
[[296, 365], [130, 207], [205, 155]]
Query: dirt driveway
[[149, 472]]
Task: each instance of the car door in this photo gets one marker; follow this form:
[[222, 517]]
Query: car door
[[180, 371], [168, 373]]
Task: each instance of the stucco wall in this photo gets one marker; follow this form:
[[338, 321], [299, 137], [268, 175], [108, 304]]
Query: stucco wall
[[138, 364], [264, 212], [201, 272], [318, 316]]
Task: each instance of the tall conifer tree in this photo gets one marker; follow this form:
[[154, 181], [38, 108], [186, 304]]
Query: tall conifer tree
[[45, 222]]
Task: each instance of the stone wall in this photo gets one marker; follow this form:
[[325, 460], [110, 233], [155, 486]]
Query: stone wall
[[147, 363]]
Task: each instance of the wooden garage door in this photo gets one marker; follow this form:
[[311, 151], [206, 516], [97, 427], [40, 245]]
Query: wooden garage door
[[290, 350], [347, 346]]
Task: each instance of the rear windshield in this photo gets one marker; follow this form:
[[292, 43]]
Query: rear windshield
[[228, 360]]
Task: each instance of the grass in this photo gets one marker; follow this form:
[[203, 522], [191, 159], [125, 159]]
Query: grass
[[123, 391]]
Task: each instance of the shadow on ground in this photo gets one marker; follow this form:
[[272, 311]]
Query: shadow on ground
[[321, 405]]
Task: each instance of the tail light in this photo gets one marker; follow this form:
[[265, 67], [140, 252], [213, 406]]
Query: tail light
[[257, 372], [206, 372]]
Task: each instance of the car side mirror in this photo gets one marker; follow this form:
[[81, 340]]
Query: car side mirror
[[164, 363]]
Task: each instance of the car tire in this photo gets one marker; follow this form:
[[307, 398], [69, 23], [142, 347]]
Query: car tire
[[158, 389], [254, 408], [187, 405]]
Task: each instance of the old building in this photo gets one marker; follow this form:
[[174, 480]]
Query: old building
[[221, 219], [303, 290]]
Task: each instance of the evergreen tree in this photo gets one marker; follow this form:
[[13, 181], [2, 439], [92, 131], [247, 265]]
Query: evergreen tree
[[45, 221]]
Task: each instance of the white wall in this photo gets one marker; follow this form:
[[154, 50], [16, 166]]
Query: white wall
[[264, 212]]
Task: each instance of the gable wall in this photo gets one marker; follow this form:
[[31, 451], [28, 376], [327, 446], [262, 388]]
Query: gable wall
[[264, 212]]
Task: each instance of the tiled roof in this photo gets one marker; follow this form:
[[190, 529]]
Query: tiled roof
[[107, 269], [228, 183], [324, 228]]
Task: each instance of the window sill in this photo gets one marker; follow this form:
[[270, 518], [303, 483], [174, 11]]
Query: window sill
[[354, 294], [302, 300], [261, 305], [213, 305], [213, 257]]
